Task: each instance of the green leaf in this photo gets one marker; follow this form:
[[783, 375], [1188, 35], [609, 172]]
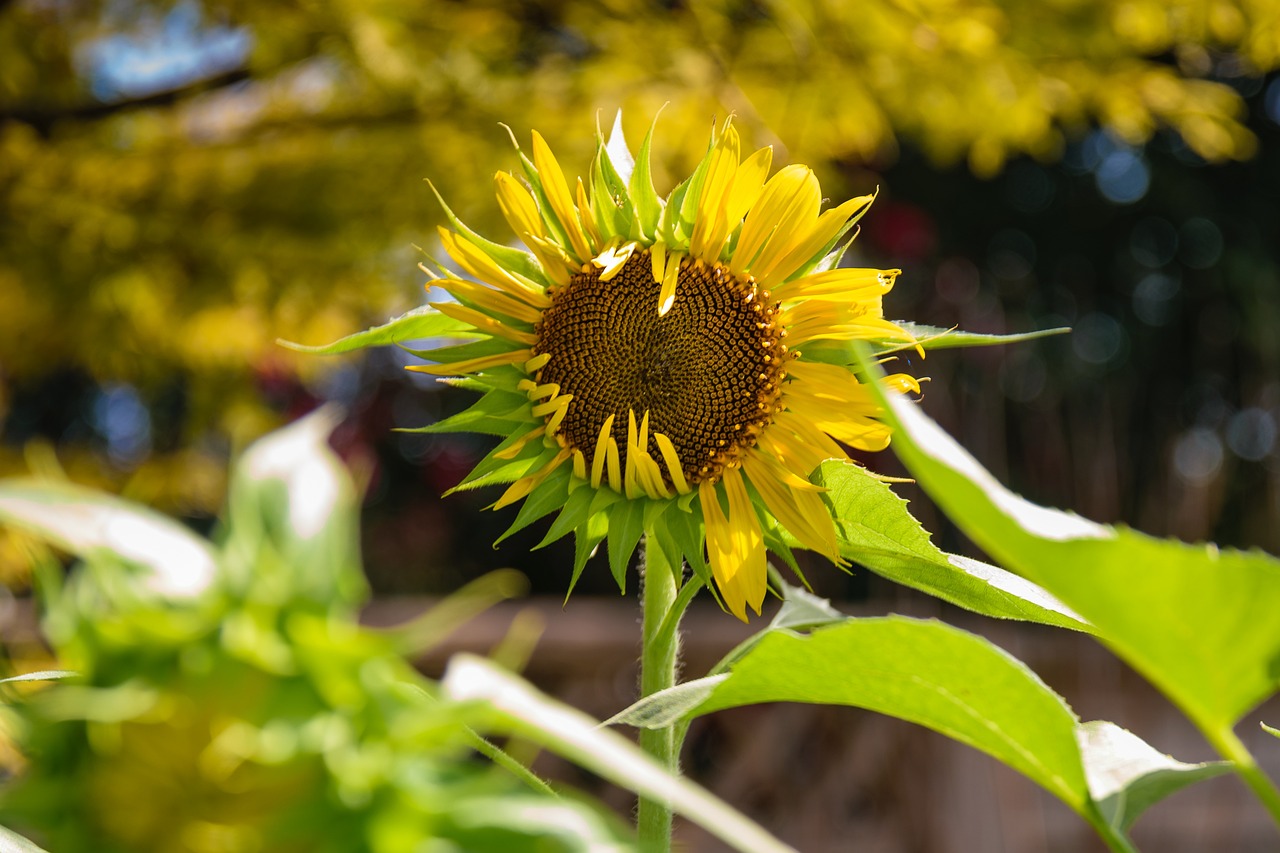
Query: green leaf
[[876, 530], [927, 338], [1198, 622], [666, 707], [90, 524], [936, 337], [1126, 775], [422, 322], [1270, 730], [626, 523], [42, 675], [925, 672], [293, 516], [517, 707], [12, 842]]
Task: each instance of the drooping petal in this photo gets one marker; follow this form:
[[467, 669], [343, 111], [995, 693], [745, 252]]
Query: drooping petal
[[735, 545]]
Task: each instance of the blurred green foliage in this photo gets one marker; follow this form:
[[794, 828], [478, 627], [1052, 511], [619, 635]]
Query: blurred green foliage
[[225, 697], [181, 183]]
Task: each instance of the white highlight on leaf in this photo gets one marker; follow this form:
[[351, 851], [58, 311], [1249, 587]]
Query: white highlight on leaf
[[180, 563], [1039, 521], [1012, 584], [1115, 758], [619, 154], [299, 456]]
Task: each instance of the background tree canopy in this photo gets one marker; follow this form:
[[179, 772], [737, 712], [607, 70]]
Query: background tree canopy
[[182, 183]]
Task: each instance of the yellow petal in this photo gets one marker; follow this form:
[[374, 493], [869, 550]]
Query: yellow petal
[[518, 206], [557, 191], [484, 323], [710, 224], [670, 278], [801, 511], [748, 183], [735, 545], [781, 218], [674, 469], [841, 283], [822, 232], [473, 260], [597, 460], [490, 299]]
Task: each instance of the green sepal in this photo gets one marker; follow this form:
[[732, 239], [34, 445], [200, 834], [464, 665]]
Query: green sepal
[[656, 531], [422, 322], [626, 523], [685, 527], [574, 513], [492, 469], [507, 257], [542, 500], [648, 205], [504, 377], [615, 213], [464, 352], [586, 539], [668, 226], [688, 206], [496, 413]]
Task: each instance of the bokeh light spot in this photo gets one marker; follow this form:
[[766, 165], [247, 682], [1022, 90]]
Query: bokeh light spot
[[1197, 457], [1251, 434]]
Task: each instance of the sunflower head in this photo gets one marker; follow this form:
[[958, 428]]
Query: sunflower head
[[664, 366]]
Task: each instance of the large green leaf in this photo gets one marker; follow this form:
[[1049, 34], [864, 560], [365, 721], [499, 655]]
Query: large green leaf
[[1199, 622], [876, 530], [925, 672], [422, 322], [520, 708], [955, 683]]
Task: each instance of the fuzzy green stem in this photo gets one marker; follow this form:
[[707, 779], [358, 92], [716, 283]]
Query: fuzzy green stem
[[659, 653], [1230, 747]]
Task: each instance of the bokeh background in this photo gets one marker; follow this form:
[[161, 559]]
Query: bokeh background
[[183, 183]]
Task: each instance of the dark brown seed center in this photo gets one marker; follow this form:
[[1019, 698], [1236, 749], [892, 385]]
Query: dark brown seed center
[[708, 372]]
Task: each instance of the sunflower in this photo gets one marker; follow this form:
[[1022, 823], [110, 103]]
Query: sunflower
[[645, 359]]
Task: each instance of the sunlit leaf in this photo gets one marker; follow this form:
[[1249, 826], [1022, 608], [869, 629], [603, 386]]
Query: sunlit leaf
[[519, 708], [1199, 622], [12, 842], [1126, 775], [42, 675], [876, 530], [422, 322]]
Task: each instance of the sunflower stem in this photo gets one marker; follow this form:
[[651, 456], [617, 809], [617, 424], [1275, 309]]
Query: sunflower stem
[[659, 659]]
